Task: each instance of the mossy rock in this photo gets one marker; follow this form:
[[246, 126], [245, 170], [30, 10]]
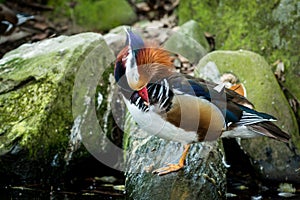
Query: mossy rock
[[270, 28], [95, 15], [36, 91], [273, 159]]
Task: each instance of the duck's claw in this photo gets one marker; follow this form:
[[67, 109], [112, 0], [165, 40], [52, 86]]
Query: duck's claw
[[169, 169], [173, 167]]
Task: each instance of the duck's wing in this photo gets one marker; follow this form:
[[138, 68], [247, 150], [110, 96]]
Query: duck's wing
[[234, 107], [229, 102]]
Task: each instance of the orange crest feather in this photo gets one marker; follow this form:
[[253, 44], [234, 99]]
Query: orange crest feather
[[154, 55]]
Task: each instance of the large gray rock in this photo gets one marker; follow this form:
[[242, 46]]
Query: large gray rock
[[36, 92], [193, 30], [272, 159], [188, 41]]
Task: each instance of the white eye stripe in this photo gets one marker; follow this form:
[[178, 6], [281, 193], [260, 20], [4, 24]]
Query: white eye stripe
[[131, 70], [130, 60]]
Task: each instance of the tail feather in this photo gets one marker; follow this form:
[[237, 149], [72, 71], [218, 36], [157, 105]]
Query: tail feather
[[260, 123], [253, 117], [269, 129]]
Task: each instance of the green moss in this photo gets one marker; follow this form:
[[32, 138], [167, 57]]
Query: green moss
[[98, 15], [37, 100], [24, 105], [33, 125], [270, 28]]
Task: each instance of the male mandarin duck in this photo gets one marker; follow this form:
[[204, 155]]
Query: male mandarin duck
[[9, 20], [182, 108]]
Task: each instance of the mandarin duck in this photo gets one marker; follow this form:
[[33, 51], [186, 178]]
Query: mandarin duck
[[9, 20], [180, 107]]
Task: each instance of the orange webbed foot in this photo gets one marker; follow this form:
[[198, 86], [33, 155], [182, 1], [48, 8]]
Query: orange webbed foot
[[169, 169], [173, 167]]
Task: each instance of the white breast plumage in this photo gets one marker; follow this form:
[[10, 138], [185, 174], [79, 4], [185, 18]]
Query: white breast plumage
[[154, 124]]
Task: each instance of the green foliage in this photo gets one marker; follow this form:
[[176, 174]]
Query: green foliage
[[270, 28], [62, 9]]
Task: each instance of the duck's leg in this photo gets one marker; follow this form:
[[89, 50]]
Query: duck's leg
[[174, 167]]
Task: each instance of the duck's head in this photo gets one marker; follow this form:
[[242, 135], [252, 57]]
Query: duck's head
[[140, 64]]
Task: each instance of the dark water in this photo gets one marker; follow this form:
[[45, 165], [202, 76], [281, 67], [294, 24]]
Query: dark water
[[243, 186], [240, 186], [33, 193], [244, 183], [84, 184]]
